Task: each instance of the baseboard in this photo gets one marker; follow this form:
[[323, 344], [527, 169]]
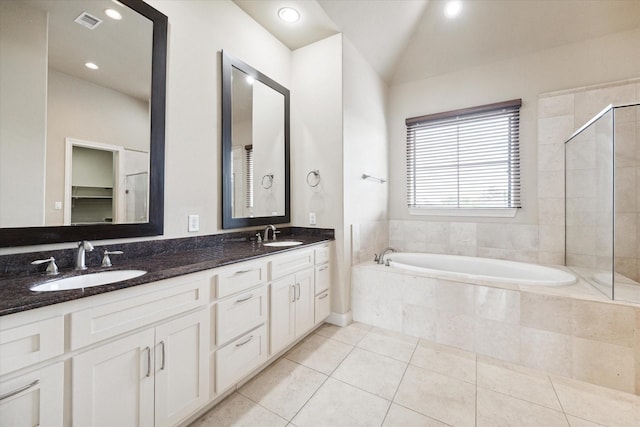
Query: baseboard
[[340, 319]]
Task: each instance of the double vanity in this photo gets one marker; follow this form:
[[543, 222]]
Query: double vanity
[[162, 347]]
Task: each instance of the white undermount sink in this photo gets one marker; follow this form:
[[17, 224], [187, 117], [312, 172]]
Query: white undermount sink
[[283, 243], [87, 280]]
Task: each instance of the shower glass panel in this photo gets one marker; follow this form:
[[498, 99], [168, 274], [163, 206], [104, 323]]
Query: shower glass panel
[[602, 172]]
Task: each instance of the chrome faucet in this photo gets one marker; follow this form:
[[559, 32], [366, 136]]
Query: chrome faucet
[[266, 232], [380, 258], [83, 247]]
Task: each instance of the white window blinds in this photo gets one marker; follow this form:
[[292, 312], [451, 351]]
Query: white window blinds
[[465, 158]]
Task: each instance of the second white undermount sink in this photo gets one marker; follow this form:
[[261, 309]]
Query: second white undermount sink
[[283, 243], [88, 280]]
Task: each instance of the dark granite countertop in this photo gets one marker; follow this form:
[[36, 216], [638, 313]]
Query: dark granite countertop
[[162, 259]]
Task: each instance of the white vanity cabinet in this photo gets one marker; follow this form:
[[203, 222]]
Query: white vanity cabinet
[[34, 398], [294, 294], [154, 377]]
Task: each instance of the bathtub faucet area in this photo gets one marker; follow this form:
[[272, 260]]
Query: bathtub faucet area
[[380, 258]]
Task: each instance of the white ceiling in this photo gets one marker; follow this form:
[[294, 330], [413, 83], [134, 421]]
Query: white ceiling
[[406, 40]]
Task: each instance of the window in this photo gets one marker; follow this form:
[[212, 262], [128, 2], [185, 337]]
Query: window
[[465, 159]]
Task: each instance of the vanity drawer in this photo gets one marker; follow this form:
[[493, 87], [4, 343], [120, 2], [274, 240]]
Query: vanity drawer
[[323, 278], [322, 255], [240, 277], [323, 307], [240, 357], [241, 313], [282, 265], [105, 321], [29, 344]]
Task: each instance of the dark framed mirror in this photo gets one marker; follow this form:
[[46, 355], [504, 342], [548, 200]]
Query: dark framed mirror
[[255, 147], [89, 165]]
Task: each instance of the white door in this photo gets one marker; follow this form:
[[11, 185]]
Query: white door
[[181, 367], [112, 385], [305, 301], [33, 399], [282, 313]]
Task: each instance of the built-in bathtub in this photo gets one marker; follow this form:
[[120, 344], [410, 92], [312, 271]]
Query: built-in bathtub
[[536, 316], [481, 270]]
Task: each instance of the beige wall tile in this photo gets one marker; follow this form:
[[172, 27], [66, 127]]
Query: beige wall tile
[[637, 351], [550, 211], [455, 297], [548, 313], [501, 305], [492, 235], [555, 130], [558, 105], [547, 351], [550, 157], [551, 184], [552, 238], [457, 330], [604, 364], [590, 102], [610, 323], [553, 258]]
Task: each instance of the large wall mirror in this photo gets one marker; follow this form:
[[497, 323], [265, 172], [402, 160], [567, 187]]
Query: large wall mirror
[[255, 147], [82, 118]]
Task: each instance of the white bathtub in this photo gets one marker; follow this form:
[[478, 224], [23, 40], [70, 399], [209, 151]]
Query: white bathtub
[[480, 270]]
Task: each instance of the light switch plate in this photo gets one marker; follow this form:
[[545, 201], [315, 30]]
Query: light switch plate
[[312, 218]]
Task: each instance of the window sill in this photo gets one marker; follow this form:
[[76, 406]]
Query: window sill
[[496, 213]]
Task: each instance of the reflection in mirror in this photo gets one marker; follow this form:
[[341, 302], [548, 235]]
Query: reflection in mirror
[[80, 145], [255, 144]]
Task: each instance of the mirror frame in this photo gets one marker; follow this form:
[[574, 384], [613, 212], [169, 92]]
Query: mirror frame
[[23, 236], [228, 221]]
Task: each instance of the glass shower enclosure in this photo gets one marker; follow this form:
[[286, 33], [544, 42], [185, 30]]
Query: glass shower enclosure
[[602, 202]]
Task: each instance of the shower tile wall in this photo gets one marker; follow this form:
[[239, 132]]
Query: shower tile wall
[[559, 115]]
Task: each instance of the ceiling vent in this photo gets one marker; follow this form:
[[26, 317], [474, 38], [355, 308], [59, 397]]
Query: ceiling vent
[[87, 20]]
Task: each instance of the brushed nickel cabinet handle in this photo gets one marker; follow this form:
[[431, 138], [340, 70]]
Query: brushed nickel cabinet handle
[[163, 356], [248, 297], [298, 286], [323, 268], [324, 296], [148, 349], [293, 287], [244, 271], [240, 344], [19, 390]]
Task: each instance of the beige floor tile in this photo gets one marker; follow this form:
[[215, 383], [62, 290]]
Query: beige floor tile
[[371, 372], [399, 416], [388, 343], [319, 353], [497, 409], [445, 360], [238, 411], [351, 334], [284, 387], [437, 396], [518, 382], [337, 404], [579, 422], [597, 404]]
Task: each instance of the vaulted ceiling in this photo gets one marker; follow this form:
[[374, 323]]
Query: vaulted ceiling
[[406, 40]]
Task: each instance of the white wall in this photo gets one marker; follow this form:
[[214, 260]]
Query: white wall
[[611, 58], [22, 114], [198, 31], [317, 143]]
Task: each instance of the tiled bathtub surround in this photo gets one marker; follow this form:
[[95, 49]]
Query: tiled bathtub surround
[[570, 331]]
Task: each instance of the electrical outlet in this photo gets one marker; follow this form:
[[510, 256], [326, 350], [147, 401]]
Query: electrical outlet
[[58, 206], [312, 218], [194, 222]]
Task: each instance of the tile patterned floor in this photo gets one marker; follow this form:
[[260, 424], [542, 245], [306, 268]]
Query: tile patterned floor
[[365, 376]]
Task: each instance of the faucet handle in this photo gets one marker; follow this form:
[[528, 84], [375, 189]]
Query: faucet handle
[[259, 237], [106, 261], [52, 268], [274, 233]]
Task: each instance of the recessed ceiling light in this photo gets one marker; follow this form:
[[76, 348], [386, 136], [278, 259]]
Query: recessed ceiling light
[[453, 8], [91, 66], [289, 14], [113, 14]]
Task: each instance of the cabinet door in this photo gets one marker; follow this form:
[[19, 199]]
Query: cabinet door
[[305, 301], [33, 399], [283, 295], [181, 367], [112, 385]]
